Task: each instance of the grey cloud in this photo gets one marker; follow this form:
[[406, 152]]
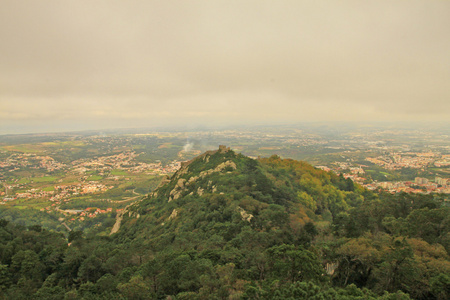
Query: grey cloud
[[223, 61]]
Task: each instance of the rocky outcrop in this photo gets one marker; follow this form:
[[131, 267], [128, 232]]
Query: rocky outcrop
[[183, 170], [244, 215], [331, 267], [219, 168], [164, 181], [205, 157], [116, 227], [133, 214], [119, 217], [177, 190], [192, 179], [182, 184], [173, 214]]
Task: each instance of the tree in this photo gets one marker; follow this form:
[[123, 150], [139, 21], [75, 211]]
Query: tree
[[26, 264], [398, 270], [357, 258], [75, 235], [440, 286], [91, 269], [136, 288], [291, 263]]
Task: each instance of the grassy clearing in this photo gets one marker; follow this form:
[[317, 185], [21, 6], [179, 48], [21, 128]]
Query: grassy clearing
[[70, 180], [44, 179], [25, 148], [167, 145], [95, 178], [35, 203], [441, 170], [24, 180], [65, 144], [117, 172]]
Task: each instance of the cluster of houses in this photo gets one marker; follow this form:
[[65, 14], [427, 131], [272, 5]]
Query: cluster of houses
[[33, 161], [92, 212], [413, 160], [418, 186]]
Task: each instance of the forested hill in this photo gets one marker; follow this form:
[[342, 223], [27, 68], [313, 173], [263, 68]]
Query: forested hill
[[267, 195], [229, 227]]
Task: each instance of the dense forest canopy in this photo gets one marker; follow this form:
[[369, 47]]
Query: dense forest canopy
[[229, 227]]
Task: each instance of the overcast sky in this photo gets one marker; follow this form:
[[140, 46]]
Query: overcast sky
[[70, 65]]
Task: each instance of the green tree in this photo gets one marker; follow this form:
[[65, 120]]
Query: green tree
[[440, 286], [136, 288], [292, 263], [398, 270]]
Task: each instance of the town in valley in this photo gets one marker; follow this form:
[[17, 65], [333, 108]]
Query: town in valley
[[83, 179]]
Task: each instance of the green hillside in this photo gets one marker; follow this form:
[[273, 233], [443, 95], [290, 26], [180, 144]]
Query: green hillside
[[229, 227], [220, 193]]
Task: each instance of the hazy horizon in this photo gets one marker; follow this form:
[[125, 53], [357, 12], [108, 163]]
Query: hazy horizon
[[82, 65], [312, 126]]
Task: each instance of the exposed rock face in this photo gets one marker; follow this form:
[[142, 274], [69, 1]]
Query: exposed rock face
[[119, 217], [183, 170], [182, 184], [192, 179], [173, 214], [132, 214], [116, 226], [245, 216], [164, 181], [219, 168], [205, 156], [177, 190], [331, 267]]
